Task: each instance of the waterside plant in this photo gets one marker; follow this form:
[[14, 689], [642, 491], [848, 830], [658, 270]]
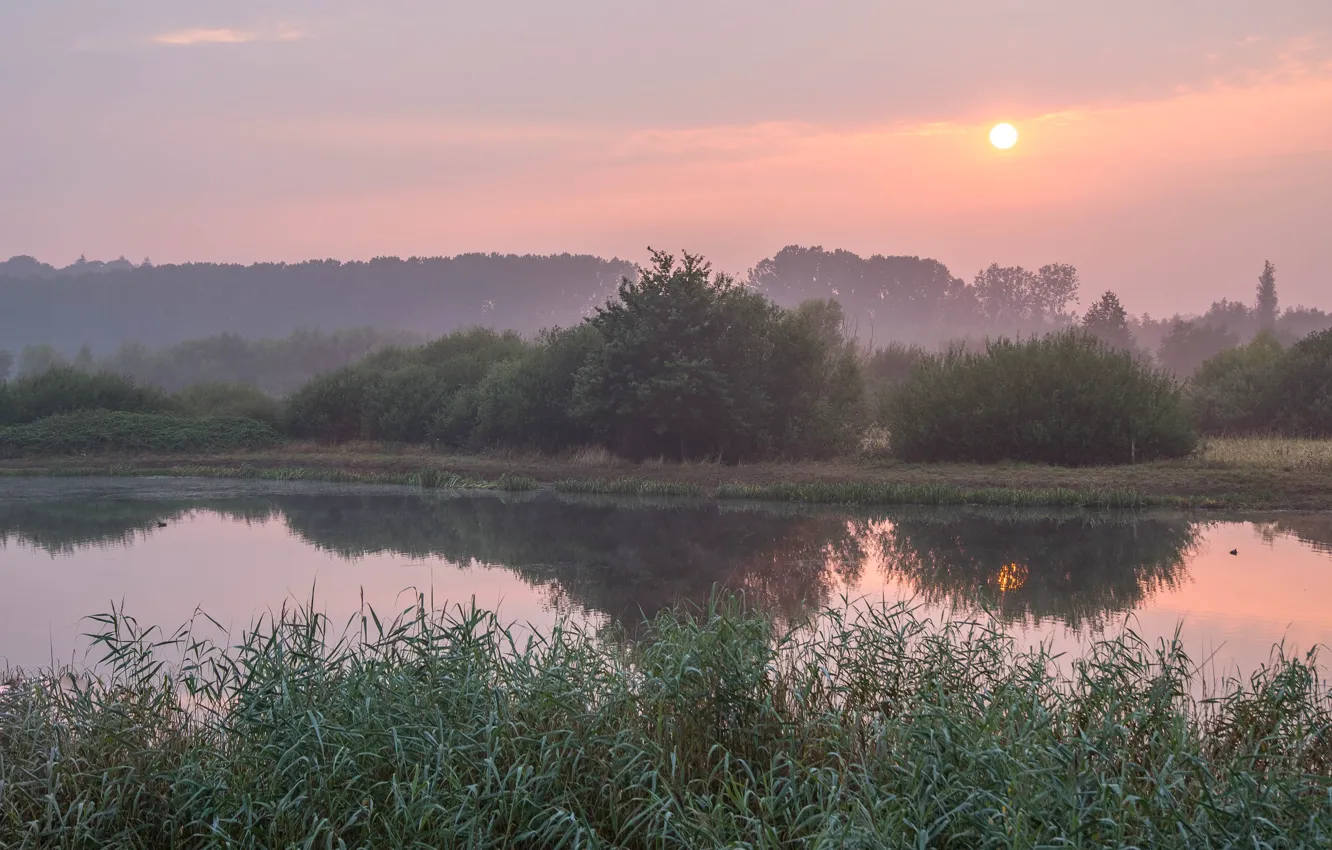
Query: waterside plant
[[712, 728]]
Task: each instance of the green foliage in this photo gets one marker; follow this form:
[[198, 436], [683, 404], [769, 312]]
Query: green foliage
[[527, 401], [1065, 399], [101, 431], [6, 365], [1300, 392], [403, 394], [816, 385], [64, 389], [275, 366], [680, 373], [715, 729], [330, 407], [1229, 392], [227, 399], [1260, 388], [695, 365]]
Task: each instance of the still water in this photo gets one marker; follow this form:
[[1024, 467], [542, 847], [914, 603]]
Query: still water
[[164, 548]]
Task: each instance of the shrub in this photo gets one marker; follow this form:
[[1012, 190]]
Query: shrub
[[1299, 391], [63, 389], [401, 405], [527, 401], [91, 432], [219, 398], [1228, 393], [331, 406], [1066, 399]]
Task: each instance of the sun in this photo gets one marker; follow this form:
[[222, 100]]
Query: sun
[[1003, 136]]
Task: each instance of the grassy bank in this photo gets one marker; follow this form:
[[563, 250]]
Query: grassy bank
[[1251, 473], [447, 730]]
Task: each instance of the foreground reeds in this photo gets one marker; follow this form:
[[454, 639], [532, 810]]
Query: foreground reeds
[[444, 730]]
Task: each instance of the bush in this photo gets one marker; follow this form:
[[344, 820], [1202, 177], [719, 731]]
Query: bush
[[527, 401], [403, 394], [331, 406], [1229, 392], [401, 405], [1065, 399], [218, 398], [1299, 392], [92, 432], [63, 389]]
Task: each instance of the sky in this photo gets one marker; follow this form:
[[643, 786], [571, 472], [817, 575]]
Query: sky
[[1166, 148]]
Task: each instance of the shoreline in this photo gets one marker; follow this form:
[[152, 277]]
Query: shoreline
[[849, 481]]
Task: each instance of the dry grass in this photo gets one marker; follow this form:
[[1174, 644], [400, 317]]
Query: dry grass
[[598, 456], [1285, 453]]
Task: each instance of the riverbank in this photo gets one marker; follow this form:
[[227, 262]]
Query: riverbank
[[1258, 474]]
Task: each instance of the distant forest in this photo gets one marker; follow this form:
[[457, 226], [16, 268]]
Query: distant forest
[[102, 307]]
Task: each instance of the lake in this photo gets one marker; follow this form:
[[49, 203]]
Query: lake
[[166, 547]]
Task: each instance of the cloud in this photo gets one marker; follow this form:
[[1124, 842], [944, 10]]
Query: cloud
[[223, 35]]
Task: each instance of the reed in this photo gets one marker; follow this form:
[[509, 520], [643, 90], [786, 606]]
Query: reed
[[628, 487], [714, 728]]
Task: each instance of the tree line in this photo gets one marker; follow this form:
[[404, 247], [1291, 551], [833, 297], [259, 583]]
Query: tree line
[[886, 299], [686, 363]]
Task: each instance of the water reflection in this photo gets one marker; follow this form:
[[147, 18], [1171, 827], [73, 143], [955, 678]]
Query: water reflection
[[625, 559]]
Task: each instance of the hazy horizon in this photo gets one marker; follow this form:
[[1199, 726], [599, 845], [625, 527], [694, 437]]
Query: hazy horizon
[[1165, 161]]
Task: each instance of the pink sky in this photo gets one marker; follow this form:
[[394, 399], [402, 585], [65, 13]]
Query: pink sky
[[1166, 152]]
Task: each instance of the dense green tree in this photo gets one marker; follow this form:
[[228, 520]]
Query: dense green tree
[[1300, 390], [1107, 320], [1230, 391], [6, 364], [681, 372], [63, 389]]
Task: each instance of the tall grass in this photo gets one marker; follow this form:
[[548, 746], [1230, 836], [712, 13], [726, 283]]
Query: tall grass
[[713, 729], [628, 487], [1285, 453]]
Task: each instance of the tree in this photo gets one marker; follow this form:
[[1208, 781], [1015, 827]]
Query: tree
[[6, 364], [1266, 305], [1013, 298], [1107, 320], [681, 370]]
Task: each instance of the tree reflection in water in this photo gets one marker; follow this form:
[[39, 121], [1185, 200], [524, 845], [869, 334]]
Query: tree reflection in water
[[629, 558]]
